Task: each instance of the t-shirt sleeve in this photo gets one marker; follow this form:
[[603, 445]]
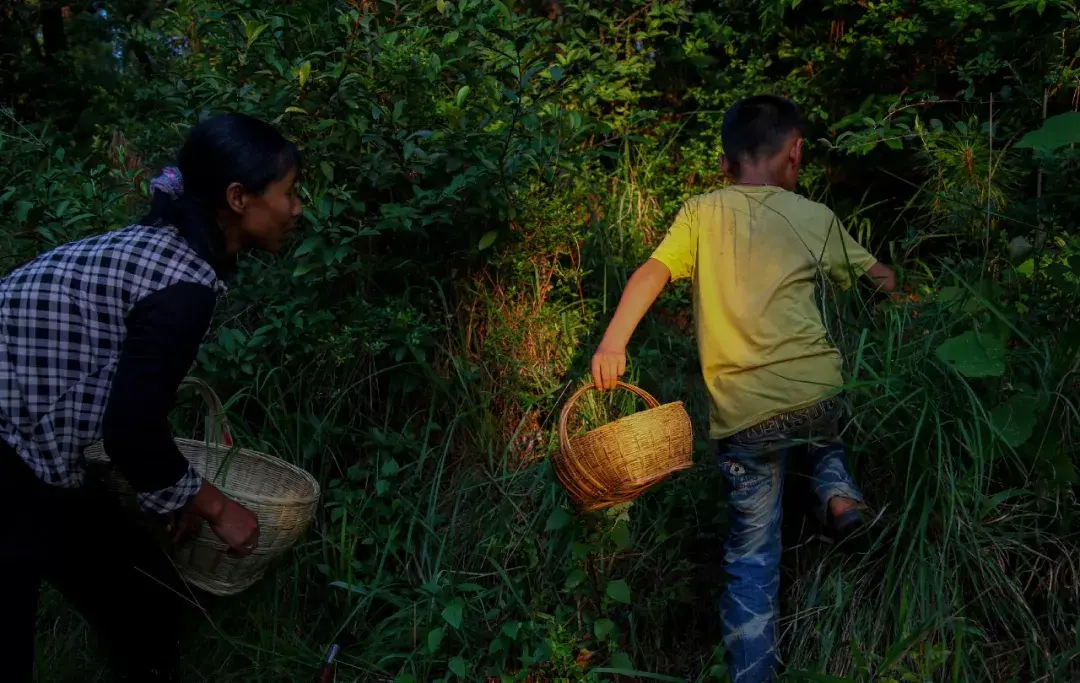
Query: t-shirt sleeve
[[678, 251], [845, 259]]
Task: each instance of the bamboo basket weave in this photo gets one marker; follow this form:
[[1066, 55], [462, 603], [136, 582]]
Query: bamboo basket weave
[[282, 496], [621, 460]]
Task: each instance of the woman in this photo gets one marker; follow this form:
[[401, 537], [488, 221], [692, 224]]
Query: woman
[[95, 337]]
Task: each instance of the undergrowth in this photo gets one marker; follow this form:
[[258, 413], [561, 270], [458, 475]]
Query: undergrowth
[[482, 179]]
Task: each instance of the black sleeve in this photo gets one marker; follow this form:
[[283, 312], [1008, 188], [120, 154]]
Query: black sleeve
[[164, 331]]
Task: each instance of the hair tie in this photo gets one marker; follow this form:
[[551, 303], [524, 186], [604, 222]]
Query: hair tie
[[170, 182]]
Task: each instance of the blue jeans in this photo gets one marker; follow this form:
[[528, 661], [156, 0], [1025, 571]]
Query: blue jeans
[[753, 466]]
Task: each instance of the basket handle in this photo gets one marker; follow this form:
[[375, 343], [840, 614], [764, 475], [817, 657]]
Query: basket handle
[[217, 427], [564, 416]]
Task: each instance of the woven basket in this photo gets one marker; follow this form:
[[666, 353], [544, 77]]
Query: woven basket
[[621, 460], [282, 496]]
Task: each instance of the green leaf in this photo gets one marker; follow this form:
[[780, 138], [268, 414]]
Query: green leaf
[[556, 73], [1074, 264], [511, 628], [459, 667], [1014, 421], [441, 6], [462, 93], [253, 30], [488, 239], [295, 110], [575, 578], [620, 535], [376, 112], [309, 244], [327, 171], [974, 355], [304, 73], [1056, 132], [622, 661], [434, 639], [559, 517], [22, 210], [502, 8], [602, 628], [618, 591], [450, 38], [453, 613]]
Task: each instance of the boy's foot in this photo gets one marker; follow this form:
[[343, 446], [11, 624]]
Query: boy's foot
[[848, 521], [849, 529]]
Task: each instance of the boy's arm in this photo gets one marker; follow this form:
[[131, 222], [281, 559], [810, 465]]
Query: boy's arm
[[609, 362], [882, 276]]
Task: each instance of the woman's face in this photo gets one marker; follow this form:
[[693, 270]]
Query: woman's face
[[263, 220]]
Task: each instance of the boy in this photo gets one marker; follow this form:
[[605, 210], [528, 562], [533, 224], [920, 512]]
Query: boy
[[754, 251]]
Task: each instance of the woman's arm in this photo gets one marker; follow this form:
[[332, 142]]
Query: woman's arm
[[164, 331], [609, 362]]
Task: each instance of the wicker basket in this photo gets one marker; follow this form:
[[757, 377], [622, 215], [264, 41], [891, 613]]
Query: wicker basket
[[282, 496], [621, 460]]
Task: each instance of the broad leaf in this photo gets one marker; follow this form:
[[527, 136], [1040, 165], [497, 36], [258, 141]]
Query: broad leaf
[[558, 519], [620, 535], [974, 355], [1056, 132], [575, 578], [1014, 420], [459, 667], [453, 613], [619, 591], [434, 639], [602, 628], [511, 629]]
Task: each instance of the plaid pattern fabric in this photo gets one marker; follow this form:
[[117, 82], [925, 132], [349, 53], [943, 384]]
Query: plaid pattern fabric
[[61, 332]]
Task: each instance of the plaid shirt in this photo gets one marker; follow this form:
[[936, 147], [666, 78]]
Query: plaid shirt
[[62, 328]]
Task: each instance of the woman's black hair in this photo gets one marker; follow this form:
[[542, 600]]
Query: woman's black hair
[[220, 151]]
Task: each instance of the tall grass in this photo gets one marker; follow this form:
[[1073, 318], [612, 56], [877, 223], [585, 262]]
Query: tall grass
[[970, 577]]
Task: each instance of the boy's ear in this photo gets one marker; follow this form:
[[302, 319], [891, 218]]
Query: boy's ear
[[728, 167], [795, 151]]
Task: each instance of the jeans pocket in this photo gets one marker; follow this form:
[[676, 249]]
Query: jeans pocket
[[742, 479]]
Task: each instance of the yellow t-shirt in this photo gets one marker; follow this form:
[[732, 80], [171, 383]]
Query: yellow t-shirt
[[755, 254]]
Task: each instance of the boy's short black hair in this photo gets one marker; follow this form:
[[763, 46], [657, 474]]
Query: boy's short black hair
[[757, 127]]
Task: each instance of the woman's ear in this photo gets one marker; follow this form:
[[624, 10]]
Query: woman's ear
[[236, 198]]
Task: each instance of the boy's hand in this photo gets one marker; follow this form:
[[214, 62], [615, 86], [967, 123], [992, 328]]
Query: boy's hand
[[609, 362], [608, 365]]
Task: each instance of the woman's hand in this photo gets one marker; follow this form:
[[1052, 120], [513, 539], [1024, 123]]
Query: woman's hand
[[238, 527], [233, 523]]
